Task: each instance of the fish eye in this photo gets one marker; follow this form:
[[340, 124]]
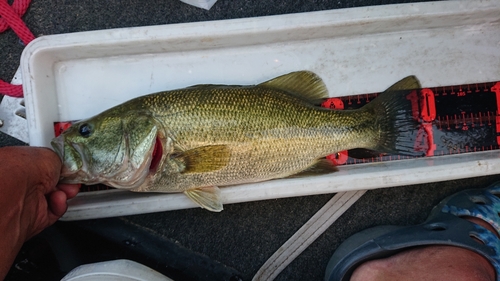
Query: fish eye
[[84, 130]]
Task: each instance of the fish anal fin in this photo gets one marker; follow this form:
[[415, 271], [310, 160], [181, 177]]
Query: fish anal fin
[[206, 197], [320, 167], [204, 159], [304, 84]]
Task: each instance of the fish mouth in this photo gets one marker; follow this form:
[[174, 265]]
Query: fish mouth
[[70, 169], [156, 155]]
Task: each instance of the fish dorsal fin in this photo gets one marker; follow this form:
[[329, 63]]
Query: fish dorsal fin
[[211, 86], [204, 159], [320, 167], [407, 83], [206, 197], [304, 84]]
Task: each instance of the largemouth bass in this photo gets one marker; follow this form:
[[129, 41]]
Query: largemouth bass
[[196, 139]]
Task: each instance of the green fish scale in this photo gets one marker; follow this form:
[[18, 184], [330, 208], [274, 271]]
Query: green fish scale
[[270, 133]]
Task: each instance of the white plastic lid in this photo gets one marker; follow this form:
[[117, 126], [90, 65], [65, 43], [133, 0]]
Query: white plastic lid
[[116, 270]]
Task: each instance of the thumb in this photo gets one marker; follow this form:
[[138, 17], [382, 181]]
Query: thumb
[[58, 200]]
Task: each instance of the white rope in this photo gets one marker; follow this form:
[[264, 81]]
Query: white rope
[[311, 230]]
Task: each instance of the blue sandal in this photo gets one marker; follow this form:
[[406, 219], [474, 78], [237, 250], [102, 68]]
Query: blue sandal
[[443, 227]]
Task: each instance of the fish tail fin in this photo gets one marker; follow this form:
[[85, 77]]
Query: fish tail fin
[[393, 125]]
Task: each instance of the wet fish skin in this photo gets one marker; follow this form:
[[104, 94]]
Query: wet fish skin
[[216, 135], [118, 158]]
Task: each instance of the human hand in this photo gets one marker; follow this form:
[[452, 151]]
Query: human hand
[[30, 198]]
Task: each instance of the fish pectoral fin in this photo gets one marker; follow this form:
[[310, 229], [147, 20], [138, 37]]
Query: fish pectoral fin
[[321, 167], [204, 159], [304, 84], [207, 197]]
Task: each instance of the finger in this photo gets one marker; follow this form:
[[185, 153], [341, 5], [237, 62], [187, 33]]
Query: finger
[[38, 166], [57, 205], [49, 168], [43, 167], [71, 190]]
